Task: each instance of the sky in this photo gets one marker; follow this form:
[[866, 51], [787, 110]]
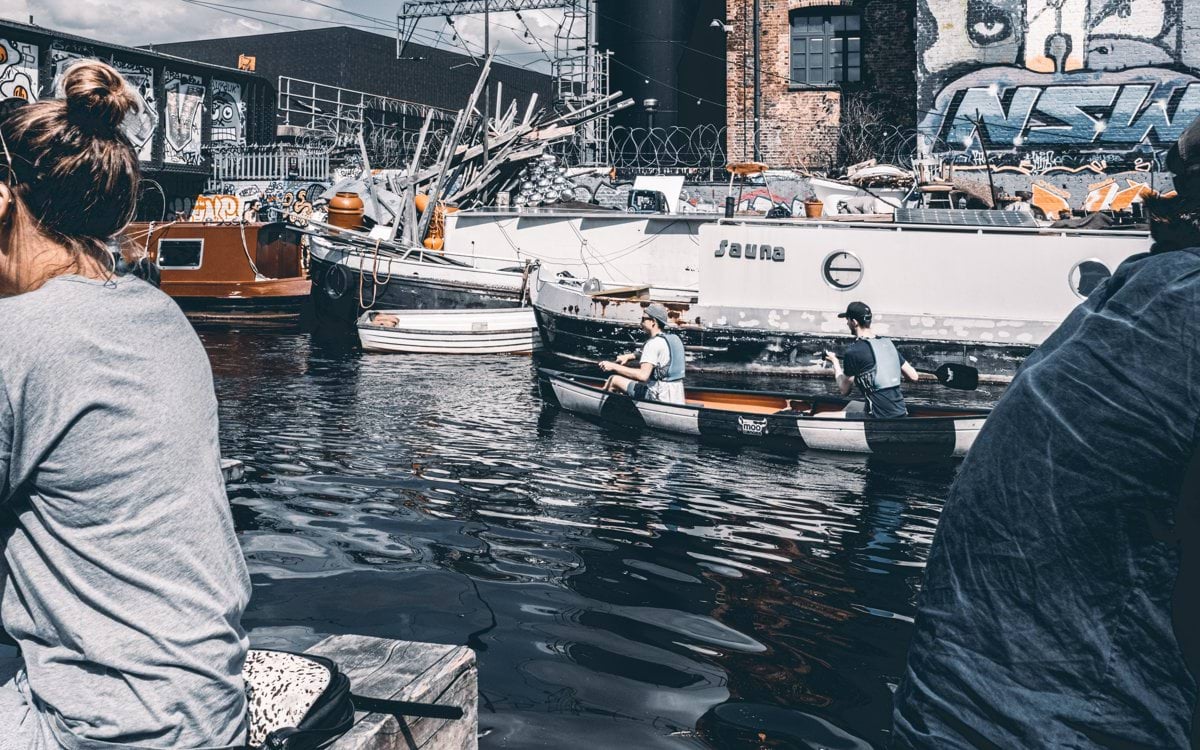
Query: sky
[[140, 22]]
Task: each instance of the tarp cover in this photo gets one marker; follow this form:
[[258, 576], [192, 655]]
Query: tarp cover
[[1045, 612]]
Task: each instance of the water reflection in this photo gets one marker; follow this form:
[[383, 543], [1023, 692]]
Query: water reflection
[[621, 588]]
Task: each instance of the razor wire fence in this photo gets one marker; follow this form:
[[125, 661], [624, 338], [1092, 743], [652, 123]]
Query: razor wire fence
[[696, 150]]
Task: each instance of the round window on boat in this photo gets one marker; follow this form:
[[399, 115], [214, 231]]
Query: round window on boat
[[842, 270], [1087, 275]]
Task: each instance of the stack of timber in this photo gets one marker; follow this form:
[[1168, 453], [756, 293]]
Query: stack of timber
[[482, 157]]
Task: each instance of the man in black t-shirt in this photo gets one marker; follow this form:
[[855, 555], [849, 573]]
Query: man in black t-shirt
[[874, 365]]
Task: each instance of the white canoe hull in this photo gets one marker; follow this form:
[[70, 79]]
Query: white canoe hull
[[929, 436]]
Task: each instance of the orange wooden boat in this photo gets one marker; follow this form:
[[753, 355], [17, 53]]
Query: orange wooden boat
[[228, 272]]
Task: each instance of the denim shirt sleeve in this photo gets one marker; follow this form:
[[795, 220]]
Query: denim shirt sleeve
[[1045, 609]]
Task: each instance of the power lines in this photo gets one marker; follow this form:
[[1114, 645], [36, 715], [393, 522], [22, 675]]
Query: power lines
[[373, 23]]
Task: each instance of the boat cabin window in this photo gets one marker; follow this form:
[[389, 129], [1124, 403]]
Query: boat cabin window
[[180, 253], [826, 46]]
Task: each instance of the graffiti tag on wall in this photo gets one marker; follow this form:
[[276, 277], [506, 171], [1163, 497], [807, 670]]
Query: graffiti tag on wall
[[229, 113], [18, 70], [184, 110], [249, 201], [138, 126], [1086, 79]]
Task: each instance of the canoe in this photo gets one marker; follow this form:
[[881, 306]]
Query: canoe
[[774, 419], [502, 331]]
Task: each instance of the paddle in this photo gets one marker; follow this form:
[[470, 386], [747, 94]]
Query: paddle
[[956, 376], [950, 374]]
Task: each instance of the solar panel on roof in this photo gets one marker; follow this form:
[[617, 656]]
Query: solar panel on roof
[[964, 217]]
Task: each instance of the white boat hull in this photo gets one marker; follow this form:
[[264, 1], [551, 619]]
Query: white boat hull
[[512, 331]]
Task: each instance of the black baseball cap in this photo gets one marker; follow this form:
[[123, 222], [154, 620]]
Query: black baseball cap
[[857, 311]]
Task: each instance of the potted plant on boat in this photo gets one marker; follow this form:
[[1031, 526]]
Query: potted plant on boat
[[813, 207]]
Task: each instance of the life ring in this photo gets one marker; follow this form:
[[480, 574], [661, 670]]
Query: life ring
[[337, 282]]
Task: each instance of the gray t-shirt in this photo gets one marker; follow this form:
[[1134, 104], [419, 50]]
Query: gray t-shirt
[[125, 584]]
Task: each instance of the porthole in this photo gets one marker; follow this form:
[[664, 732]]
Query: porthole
[[842, 270], [1086, 275]]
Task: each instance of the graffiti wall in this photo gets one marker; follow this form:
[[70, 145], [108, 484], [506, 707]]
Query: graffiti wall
[[1057, 85], [139, 126], [245, 201], [184, 111], [229, 113], [18, 70]]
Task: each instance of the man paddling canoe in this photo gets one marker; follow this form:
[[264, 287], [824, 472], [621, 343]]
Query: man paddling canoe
[[874, 365], [659, 374]]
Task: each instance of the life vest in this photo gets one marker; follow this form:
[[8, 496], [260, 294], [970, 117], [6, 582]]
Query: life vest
[[673, 370], [886, 373]]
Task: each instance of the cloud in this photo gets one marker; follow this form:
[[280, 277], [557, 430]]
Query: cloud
[[138, 22], [141, 22], [527, 40]]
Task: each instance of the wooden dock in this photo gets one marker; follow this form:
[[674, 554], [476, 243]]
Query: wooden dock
[[407, 671], [393, 670]]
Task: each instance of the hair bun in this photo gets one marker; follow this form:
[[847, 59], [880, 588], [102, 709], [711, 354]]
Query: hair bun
[[98, 97]]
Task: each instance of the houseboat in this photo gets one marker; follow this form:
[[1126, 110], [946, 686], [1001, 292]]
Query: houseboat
[[770, 292], [223, 272]]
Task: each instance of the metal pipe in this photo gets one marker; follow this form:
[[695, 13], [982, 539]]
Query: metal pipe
[[487, 91], [757, 86], [981, 132]]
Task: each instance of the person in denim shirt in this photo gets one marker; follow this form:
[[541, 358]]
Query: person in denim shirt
[[1058, 604]]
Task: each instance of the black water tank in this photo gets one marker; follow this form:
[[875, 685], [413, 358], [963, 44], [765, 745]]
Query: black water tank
[[668, 51]]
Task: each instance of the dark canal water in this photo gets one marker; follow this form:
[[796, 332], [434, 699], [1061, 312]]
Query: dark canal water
[[621, 590]]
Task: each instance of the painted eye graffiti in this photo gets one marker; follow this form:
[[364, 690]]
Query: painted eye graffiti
[[987, 24]]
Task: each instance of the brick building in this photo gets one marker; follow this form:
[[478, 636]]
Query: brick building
[[1104, 91], [824, 62]]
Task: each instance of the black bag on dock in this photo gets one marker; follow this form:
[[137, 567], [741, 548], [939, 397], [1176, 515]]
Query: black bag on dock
[[295, 701]]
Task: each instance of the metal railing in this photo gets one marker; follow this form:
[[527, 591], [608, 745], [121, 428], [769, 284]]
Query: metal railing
[[276, 162], [337, 114]]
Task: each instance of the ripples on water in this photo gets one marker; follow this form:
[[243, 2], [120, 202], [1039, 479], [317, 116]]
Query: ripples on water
[[621, 589]]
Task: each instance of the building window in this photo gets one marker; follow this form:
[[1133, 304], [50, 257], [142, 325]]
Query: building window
[[826, 46]]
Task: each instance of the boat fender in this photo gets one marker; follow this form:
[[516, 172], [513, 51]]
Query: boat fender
[[886, 373], [674, 369], [337, 282]]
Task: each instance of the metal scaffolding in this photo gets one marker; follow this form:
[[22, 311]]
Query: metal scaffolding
[[579, 71]]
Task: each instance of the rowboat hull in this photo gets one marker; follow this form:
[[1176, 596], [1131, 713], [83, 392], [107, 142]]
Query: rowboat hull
[[451, 332], [774, 419], [347, 281]]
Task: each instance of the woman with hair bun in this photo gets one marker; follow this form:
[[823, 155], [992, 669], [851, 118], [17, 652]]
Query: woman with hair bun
[[124, 584]]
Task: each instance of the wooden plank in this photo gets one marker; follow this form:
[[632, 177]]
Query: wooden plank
[[407, 671], [621, 291], [380, 732]]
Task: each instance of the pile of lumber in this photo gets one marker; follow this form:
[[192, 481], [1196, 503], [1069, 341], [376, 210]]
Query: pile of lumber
[[485, 154]]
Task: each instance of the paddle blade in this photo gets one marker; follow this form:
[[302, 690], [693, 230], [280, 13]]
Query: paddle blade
[[959, 377]]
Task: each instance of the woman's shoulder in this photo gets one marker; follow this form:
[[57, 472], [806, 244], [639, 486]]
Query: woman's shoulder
[[69, 307]]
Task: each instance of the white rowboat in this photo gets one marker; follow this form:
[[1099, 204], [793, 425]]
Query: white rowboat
[[502, 331]]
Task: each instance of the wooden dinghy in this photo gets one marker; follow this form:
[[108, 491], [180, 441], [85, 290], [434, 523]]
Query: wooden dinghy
[[775, 419], [502, 331]]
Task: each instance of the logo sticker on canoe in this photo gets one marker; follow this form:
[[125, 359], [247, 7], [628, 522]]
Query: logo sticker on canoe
[[752, 426]]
